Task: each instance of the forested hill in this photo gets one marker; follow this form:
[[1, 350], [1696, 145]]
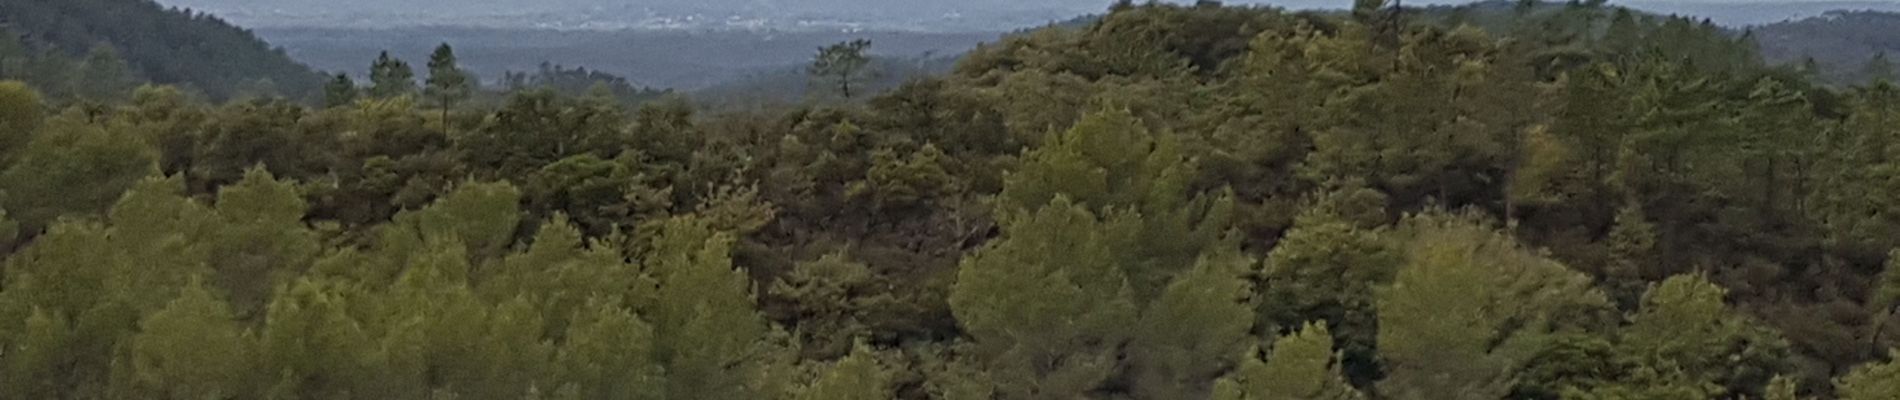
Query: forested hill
[[159, 44], [1844, 44], [1166, 203]]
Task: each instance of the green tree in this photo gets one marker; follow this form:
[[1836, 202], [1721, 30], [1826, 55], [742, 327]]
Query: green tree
[[1111, 163], [193, 349], [448, 83], [104, 77], [1048, 305], [1302, 366], [1191, 332], [706, 325], [73, 168], [859, 376], [1879, 380], [841, 65], [391, 77], [608, 355], [1468, 308], [21, 115], [1686, 335], [341, 91]]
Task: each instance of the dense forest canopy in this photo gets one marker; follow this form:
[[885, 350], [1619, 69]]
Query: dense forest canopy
[[1168, 202]]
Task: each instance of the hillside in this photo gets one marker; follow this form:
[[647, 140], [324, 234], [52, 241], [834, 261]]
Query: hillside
[[1167, 202], [1842, 43], [159, 44]]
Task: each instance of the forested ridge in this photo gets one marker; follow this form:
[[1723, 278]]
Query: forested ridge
[[1169, 202], [98, 49]]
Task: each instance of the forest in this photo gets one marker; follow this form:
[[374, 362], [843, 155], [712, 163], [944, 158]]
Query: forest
[[1561, 202]]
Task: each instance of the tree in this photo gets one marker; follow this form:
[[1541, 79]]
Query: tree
[[706, 324], [193, 349], [104, 77], [341, 91], [447, 83], [859, 376], [1191, 332], [609, 355], [1047, 304], [20, 118], [1111, 163], [73, 168], [841, 65], [1468, 307], [391, 77], [1686, 337], [1302, 366], [1879, 69], [1328, 267], [1872, 381]]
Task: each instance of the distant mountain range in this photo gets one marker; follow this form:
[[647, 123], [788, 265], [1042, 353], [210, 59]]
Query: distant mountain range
[[832, 15]]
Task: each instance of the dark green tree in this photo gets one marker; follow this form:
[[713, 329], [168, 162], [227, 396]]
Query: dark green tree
[[391, 77], [341, 91], [841, 66]]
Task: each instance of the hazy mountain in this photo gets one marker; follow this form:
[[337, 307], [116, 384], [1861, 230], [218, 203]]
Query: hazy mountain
[[157, 44], [667, 59], [1840, 43], [906, 15]]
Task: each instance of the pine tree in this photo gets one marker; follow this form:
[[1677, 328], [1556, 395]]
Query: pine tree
[[1689, 337], [73, 168], [193, 349], [1468, 308], [1111, 163], [104, 77], [448, 83], [1047, 305], [859, 376], [312, 346], [1302, 366], [706, 325], [609, 355], [21, 116], [1327, 267], [341, 91], [1871, 382], [390, 77], [1188, 336], [841, 65]]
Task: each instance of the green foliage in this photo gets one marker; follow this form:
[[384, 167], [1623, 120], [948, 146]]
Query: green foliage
[[1075, 213], [1188, 334], [341, 91], [1872, 381], [20, 117], [859, 376], [39, 185], [1468, 308], [1046, 304], [1302, 366], [192, 349], [390, 77], [705, 322], [1109, 163], [841, 65]]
